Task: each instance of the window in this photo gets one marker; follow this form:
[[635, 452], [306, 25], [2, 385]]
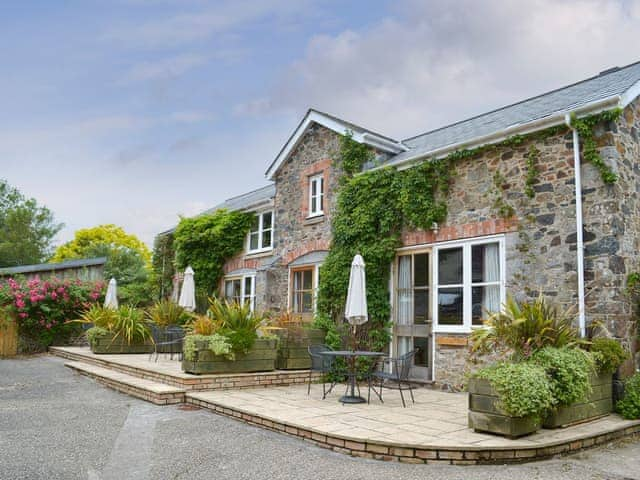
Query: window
[[316, 195], [469, 283], [303, 284], [241, 289], [261, 234]]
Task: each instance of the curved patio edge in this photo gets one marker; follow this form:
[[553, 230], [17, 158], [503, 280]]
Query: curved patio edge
[[427, 453]]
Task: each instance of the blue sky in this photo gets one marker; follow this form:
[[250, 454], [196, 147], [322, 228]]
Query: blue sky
[[134, 111]]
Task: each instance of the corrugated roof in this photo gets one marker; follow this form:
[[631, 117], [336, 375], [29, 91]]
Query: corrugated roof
[[608, 84], [50, 267], [317, 256]]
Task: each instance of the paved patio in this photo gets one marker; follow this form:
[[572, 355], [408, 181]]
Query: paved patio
[[437, 419]]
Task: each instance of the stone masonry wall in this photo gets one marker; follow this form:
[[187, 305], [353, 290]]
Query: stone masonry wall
[[541, 238], [295, 233]]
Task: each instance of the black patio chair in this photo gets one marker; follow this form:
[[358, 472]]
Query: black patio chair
[[397, 378], [323, 364], [170, 337]]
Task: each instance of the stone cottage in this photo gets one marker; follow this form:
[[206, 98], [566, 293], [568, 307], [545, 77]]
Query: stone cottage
[[525, 217]]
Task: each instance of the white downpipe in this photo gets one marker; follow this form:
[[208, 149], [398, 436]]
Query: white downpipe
[[579, 227]]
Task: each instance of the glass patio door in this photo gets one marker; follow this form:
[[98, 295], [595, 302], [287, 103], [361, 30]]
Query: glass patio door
[[412, 323]]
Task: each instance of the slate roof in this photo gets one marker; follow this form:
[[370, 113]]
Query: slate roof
[[50, 267], [608, 84], [246, 200]]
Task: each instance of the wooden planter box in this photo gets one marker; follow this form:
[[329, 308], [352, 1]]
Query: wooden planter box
[[106, 344], [597, 404], [486, 416], [261, 358], [293, 347], [8, 337]]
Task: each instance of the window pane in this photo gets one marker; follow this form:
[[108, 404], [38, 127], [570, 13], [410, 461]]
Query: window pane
[[247, 286], [321, 201], [450, 306], [307, 302], [253, 241], [307, 279], [314, 187], [485, 263], [266, 239], [450, 266], [267, 220], [255, 225], [420, 306], [404, 345], [422, 357], [486, 300], [404, 290], [421, 270], [313, 205], [228, 289], [236, 288]]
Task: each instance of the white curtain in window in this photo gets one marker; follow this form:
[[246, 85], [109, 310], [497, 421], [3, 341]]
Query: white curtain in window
[[491, 273], [405, 296]]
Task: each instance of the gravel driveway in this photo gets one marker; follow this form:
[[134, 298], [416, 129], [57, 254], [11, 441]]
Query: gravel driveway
[[55, 424]]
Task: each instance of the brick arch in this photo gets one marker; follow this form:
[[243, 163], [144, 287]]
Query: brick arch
[[307, 247]]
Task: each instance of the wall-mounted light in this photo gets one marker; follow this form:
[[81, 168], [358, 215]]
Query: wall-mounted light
[[435, 227]]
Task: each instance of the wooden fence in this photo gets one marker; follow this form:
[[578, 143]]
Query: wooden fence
[[8, 337]]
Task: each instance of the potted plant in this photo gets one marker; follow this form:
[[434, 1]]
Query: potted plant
[[123, 330], [295, 337], [227, 341], [167, 320], [509, 399]]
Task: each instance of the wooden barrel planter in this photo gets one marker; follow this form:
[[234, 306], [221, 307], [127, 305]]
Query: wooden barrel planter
[[293, 347], [106, 344], [8, 337], [261, 358], [485, 415], [597, 404]]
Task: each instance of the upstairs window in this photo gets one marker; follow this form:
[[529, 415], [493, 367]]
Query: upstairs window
[[261, 235], [316, 195]]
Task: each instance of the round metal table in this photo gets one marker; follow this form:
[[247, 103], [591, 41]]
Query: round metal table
[[351, 356]]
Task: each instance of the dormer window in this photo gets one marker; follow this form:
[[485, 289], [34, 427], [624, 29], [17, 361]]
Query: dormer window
[[261, 234], [316, 195]]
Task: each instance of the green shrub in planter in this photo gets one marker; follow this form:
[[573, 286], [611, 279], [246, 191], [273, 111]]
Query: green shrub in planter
[[629, 406], [218, 344], [608, 354], [523, 388], [569, 371]]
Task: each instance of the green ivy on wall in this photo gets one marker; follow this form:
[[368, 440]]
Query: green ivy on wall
[[372, 209], [163, 264], [206, 242], [585, 127]]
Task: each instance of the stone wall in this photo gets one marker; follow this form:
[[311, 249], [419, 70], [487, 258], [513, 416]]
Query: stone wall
[[540, 239]]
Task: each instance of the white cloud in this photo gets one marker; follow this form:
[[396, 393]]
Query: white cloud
[[184, 28], [441, 61], [165, 68]]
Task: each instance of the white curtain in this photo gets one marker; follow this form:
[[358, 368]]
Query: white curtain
[[405, 295], [491, 273]]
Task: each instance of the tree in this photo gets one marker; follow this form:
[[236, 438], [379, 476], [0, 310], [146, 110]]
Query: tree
[[128, 259], [26, 228]]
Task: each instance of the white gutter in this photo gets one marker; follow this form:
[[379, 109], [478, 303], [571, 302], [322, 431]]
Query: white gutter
[[579, 226], [552, 120]]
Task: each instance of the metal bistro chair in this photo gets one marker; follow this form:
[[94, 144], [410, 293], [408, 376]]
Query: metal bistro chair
[[322, 364], [397, 378], [171, 337]]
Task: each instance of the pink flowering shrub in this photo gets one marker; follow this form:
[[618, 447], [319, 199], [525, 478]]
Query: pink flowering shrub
[[41, 308]]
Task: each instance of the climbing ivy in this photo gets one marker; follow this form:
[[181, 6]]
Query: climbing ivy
[[532, 171], [372, 209], [585, 127], [207, 242]]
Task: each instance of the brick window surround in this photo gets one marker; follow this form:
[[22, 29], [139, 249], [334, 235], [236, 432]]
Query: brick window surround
[[317, 168]]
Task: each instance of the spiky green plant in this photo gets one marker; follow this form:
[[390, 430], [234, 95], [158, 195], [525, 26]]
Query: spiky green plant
[[131, 325], [98, 316], [521, 329], [236, 322], [165, 313]]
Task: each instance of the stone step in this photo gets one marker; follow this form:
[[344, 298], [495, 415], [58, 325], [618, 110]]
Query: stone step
[[154, 392]]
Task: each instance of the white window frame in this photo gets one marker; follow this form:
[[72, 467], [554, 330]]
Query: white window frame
[[260, 232], [316, 284], [244, 295], [466, 285], [319, 196]]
